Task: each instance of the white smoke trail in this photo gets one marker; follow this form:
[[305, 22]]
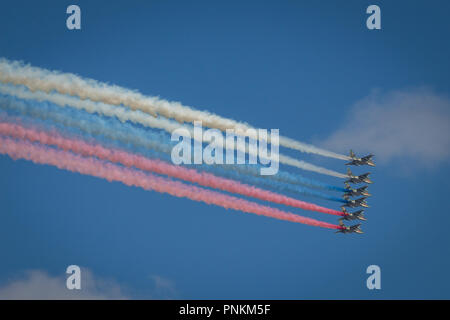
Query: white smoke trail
[[40, 79], [303, 147], [136, 116]]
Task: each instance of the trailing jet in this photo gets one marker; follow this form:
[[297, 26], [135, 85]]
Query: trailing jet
[[358, 215], [361, 202], [357, 179], [355, 161], [351, 229], [355, 192]]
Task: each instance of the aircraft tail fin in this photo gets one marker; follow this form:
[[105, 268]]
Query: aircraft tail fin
[[349, 172]]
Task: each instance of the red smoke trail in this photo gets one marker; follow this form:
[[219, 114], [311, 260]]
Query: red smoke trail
[[98, 168], [160, 167]]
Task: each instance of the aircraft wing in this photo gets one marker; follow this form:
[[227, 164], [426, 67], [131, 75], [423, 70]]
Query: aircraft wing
[[364, 175]]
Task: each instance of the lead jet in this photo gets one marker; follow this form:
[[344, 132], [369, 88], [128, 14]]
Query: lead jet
[[358, 215], [361, 202], [355, 192], [351, 229], [357, 179], [355, 161]]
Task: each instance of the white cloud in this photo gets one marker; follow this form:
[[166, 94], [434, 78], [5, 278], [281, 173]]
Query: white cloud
[[163, 288], [412, 124], [39, 285]]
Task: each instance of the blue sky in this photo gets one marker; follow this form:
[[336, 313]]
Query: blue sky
[[302, 67]]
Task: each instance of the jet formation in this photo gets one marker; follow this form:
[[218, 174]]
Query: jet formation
[[350, 192]]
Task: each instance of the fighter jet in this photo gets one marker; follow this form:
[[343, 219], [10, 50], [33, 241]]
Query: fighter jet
[[351, 229], [355, 161], [355, 192], [361, 202], [358, 215], [357, 179]]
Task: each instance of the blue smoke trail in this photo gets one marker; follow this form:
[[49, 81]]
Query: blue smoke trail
[[111, 132]]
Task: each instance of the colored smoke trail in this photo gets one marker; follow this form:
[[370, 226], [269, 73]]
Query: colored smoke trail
[[224, 170], [137, 140], [36, 78], [291, 178], [155, 146], [160, 167], [138, 117], [130, 177]]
